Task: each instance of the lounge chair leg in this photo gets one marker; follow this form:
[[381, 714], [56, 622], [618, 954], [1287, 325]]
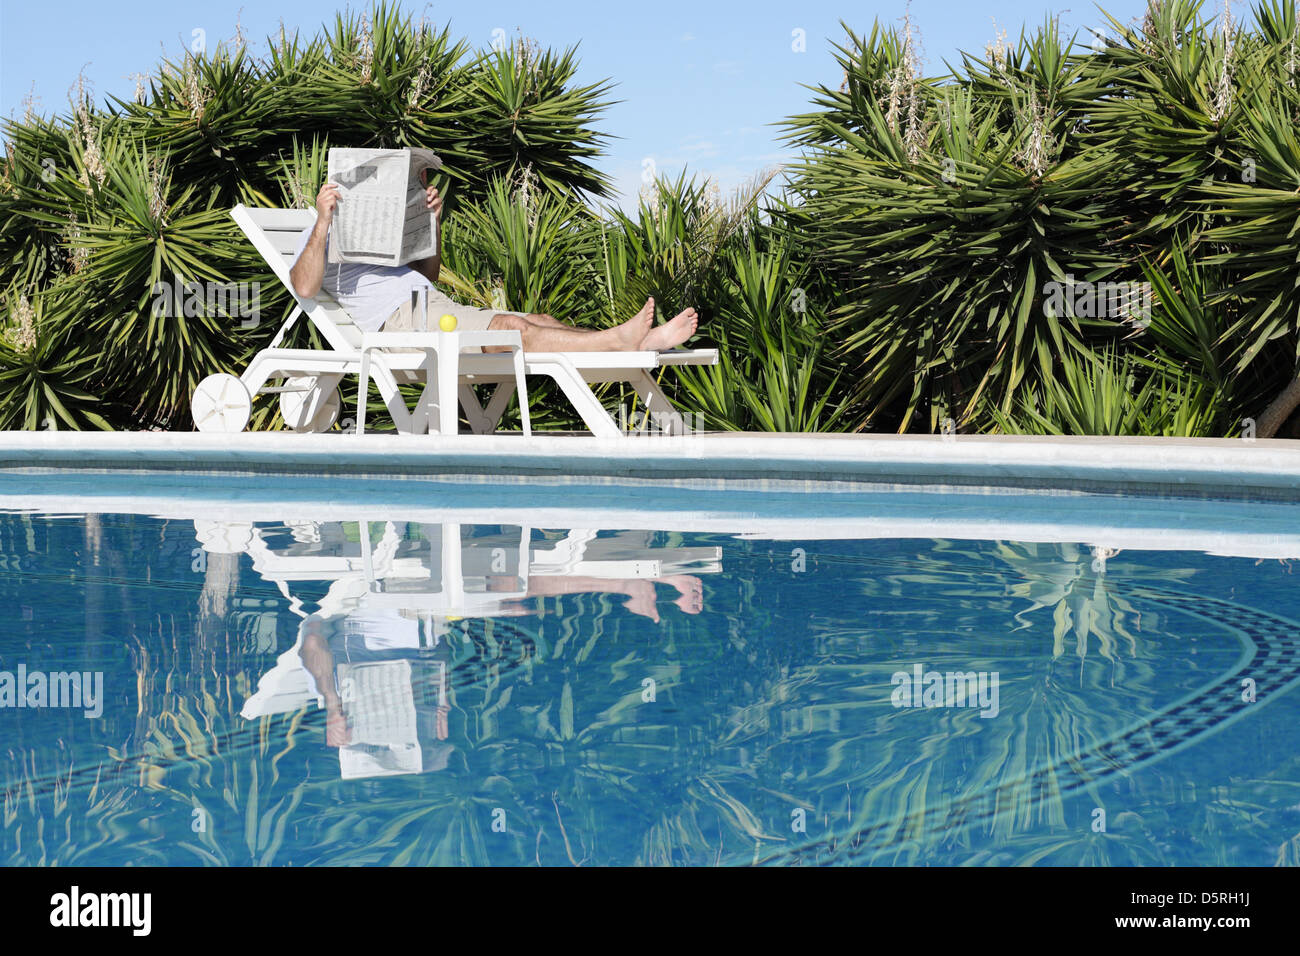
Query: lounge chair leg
[[363, 386], [521, 383], [496, 406], [474, 412], [665, 417], [576, 389], [593, 414]]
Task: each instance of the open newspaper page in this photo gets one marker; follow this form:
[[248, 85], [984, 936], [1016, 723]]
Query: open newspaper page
[[381, 218], [420, 231]]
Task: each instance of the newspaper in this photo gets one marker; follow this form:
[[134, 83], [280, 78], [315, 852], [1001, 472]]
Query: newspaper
[[381, 218]]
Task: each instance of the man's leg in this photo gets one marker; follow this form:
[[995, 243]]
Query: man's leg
[[545, 333], [551, 322], [564, 338]]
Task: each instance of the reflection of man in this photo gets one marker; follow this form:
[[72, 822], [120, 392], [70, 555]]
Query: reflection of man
[[383, 678], [629, 562], [382, 673], [501, 572], [640, 592]]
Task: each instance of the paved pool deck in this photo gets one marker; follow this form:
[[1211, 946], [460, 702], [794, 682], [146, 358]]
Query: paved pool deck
[[1214, 467], [1218, 496]]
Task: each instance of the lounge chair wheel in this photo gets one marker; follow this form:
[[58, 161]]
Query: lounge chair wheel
[[221, 403], [296, 402]]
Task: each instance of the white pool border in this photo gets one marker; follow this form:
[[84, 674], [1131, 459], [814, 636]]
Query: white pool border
[[1203, 466]]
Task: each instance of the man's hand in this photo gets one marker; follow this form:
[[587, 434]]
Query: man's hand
[[430, 267], [327, 201], [337, 732], [431, 198]]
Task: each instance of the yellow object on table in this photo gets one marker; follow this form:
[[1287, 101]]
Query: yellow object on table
[[447, 323]]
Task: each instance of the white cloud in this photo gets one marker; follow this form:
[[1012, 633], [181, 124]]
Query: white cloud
[[701, 148]]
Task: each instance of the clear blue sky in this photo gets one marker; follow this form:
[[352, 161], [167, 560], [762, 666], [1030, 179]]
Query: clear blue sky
[[700, 82]]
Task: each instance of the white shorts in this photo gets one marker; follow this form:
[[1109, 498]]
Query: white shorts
[[412, 316]]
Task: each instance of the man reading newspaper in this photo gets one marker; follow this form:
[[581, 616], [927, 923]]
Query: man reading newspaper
[[404, 298]]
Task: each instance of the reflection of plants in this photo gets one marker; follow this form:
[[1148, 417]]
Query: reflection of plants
[[1060, 578], [912, 805], [53, 821], [549, 725], [196, 744]]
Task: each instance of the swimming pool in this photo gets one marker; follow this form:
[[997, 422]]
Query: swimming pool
[[472, 670]]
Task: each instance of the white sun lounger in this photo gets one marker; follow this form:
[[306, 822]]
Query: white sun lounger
[[309, 397]]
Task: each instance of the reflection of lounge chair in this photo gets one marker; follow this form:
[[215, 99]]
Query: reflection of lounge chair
[[288, 686], [445, 572], [309, 399], [402, 590], [626, 554], [441, 574]]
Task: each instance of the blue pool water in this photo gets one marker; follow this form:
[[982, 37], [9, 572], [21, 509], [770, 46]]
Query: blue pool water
[[283, 684]]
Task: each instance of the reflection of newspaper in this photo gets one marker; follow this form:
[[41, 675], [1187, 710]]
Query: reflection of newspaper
[[381, 218], [379, 702]]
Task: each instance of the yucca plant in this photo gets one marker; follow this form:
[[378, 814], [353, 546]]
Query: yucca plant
[[769, 327], [1106, 393], [943, 210], [525, 250], [673, 247], [45, 382], [943, 206], [530, 116], [925, 220]]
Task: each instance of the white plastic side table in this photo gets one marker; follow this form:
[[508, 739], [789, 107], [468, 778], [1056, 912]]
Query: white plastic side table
[[442, 365]]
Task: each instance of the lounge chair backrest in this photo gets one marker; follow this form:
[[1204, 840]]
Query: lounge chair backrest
[[275, 233]]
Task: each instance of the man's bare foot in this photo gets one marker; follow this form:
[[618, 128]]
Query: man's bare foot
[[691, 589], [634, 330], [672, 333], [641, 599]]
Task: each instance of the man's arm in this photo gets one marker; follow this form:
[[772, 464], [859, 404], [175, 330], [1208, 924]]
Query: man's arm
[[319, 662], [309, 270], [430, 267]]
